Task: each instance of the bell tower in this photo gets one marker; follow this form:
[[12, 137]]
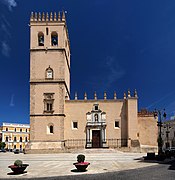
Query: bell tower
[[49, 80]]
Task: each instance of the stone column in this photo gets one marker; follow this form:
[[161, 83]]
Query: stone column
[[88, 144]]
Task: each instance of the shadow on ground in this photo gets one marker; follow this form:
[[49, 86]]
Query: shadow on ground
[[168, 161], [76, 171], [12, 173]]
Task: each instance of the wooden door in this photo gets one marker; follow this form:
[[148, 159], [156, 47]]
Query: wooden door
[[96, 138]]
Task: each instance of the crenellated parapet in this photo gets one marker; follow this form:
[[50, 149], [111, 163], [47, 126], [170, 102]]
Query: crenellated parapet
[[145, 113], [125, 96], [48, 17], [51, 21]]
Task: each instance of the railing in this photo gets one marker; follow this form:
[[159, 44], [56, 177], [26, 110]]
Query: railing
[[81, 143], [115, 143]]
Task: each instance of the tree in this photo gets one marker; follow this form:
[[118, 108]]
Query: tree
[[2, 145]]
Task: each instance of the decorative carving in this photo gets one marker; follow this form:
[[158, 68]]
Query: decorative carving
[[124, 96], [95, 95], [55, 16], [47, 16], [59, 16], [85, 96], [129, 93], [39, 16], [135, 93], [105, 95], [32, 16], [115, 95], [76, 96], [51, 17], [43, 16]]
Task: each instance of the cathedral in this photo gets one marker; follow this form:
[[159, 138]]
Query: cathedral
[[59, 123]]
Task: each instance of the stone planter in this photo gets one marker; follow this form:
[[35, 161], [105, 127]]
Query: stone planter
[[150, 156], [81, 166], [18, 169]]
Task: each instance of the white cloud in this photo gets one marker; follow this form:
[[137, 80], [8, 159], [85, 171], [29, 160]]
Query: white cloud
[[115, 70], [9, 3], [5, 49], [12, 101], [160, 101], [110, 72], [5, 26]]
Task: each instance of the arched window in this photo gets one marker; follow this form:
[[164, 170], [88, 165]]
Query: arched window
[[40, 39], [20, 139], [51, 129], [54, 39], [26, 139], [49, 73]]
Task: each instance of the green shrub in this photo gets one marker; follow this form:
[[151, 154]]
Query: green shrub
[[2, 145], [18, 163], [80, 158]]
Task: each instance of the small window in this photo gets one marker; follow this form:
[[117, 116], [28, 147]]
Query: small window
[[14, 146], [47, 30], [75, 125], [6, 138], [26, 130], [26, 139], [20, 139], [49, 106], [51, 129], [40, 39], [48, 102], [54, 39], [116, 124], [15, 139], [20, 130], [15, 129], [96, 107], [6, 129]]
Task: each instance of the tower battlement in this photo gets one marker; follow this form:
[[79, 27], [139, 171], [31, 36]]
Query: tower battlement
[[52, 16], [125, 96]]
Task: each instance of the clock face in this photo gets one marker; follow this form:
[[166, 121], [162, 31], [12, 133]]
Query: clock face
[[49, 74]]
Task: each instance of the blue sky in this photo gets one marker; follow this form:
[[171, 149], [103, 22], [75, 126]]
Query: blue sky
[[116, 45]]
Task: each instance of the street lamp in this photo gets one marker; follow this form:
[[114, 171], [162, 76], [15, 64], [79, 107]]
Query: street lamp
[[159, 114]]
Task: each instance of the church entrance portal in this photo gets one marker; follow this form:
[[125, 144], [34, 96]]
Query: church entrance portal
[[96, 128], [96, 138]]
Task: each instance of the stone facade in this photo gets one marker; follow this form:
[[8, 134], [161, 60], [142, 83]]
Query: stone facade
[[168, 134], [58, 123]]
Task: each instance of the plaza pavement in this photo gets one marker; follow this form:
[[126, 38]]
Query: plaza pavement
[[49, 165]]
